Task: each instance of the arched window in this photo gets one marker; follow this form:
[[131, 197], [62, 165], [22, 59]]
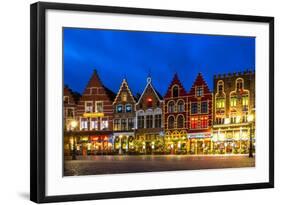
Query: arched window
[[239, 84], [220, 87], [180, 106], [180, 121], [171, 122], [171, 107], [175, 91]]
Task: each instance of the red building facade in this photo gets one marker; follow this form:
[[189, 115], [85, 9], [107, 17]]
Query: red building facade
[[199, 121], [175, 117], [95, 116]]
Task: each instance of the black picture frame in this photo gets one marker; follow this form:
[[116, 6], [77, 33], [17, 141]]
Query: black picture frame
[[38, 101]]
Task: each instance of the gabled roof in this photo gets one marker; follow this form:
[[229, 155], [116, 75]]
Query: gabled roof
[[95, 81], [74, 95], [124, 84], [175, 81], [199, 81], [149, 84]]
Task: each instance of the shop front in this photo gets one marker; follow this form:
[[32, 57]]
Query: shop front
[[231, 141], [200, 143], [176, 142], [123, 142]]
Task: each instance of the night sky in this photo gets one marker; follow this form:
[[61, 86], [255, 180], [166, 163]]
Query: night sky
[[135, 55]]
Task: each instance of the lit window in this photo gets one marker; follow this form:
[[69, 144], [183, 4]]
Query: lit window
[[220, 103], [99, 106], [245, 102], [117, 125], [204, 107], [233, 101], [88, 106], [123, 124], [129, 108], [104, 124], [194, 123], [199, 91], [124, 96], [94, 124], [66, 99], [194, 108], [84, 124], [119, 108], [204, 122], [175, 91]]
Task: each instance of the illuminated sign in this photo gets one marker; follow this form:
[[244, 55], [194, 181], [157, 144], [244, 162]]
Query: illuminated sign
[[93, 114]]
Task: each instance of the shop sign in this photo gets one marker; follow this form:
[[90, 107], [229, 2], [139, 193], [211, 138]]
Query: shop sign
[[93, 114]]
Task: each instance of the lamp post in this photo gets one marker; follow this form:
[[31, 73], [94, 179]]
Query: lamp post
[[251, 121], [73, 125]]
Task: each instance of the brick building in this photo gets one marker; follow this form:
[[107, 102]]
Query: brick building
[[199, 121], [149, 133], [234, 102], [175, 117], [124, 119], [95, 117]]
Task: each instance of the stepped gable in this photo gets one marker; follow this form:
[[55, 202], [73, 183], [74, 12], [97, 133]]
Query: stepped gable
[[199, 81], [124, 87], [175, 81]]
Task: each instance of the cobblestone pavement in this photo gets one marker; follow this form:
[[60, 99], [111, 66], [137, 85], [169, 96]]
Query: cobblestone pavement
[[92, 165]]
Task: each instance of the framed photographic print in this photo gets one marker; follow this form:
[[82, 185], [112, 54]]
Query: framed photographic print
[[129, 102]]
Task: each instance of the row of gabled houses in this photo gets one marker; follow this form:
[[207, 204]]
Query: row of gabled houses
[[198, 121]]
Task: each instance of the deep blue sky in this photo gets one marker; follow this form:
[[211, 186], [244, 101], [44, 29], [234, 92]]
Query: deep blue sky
[[116, 54]]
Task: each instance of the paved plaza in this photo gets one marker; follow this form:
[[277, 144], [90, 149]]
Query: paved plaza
[[91, 165]]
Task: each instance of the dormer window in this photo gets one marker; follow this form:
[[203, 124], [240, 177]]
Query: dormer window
[[128, 108], [175, 91], [199, 91], [119, 108]]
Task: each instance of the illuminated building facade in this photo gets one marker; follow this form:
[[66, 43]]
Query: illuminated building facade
[[175, 118], [124, 119], [199, 121], [69, 105], [70, 100], [149, 136], [94, 114], [234, 102], [196, 122]]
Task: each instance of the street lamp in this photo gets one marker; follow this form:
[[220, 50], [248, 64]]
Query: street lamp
[[251, 122], [73, 125]]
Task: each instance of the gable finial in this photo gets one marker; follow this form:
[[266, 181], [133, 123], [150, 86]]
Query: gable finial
[[148, 80]]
